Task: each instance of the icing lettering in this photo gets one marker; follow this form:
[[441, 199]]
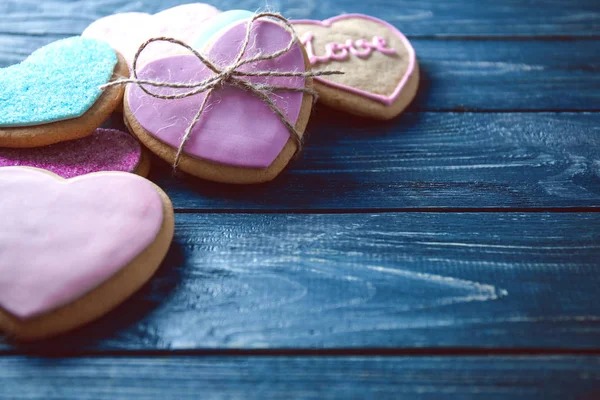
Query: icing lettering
[[362, 48], [341, 51]]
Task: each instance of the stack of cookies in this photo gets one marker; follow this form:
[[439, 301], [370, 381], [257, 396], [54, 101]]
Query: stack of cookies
[[222, 96], [59, 94], [238, 139]]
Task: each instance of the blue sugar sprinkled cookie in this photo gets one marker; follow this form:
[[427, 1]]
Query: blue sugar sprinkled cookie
[[54, 95]]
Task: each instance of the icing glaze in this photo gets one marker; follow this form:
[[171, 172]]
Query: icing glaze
[[61, 239], [237, 128], [104, 150], [56, 82], [216, 23], [383, 99], [342, 51], [125, 32]]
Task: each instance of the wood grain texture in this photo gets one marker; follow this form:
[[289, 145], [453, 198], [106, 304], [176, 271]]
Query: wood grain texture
[[508, 75], [398, 282], [425, 160], [392, 280], [110, 378], [423, 18], [458, 75]]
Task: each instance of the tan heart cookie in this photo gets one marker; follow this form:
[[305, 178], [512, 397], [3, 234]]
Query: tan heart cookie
[[381, 73]]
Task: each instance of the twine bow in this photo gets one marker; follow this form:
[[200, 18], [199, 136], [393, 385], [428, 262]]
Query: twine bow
[[230, 75]]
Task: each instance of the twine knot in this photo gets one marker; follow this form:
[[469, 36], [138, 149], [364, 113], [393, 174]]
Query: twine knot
[[231, 75], [226, 74]]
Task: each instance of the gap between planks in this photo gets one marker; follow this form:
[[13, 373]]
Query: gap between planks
[[391, 210], [302, 352]]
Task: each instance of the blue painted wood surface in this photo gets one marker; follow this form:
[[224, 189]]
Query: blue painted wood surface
[[422, 160], [389, 280], [342, 254], [142, 378], [531, 18]]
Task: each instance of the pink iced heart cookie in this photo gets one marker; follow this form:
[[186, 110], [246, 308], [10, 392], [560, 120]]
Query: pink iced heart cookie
[[238, 137], [103, 150], [71, 250], [381, 73], [125, 32]]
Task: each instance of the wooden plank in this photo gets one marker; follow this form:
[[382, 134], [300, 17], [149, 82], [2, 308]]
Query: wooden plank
[[391, 280], [184, 377], [423, 18], [508, 75], [457, 160], [460, 75]]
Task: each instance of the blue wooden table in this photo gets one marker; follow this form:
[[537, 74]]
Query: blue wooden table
[[451, 253]]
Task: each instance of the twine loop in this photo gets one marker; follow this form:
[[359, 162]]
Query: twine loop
[[230, 75]]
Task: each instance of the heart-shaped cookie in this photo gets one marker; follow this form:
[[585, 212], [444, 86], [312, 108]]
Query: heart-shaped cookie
[[381, 73], [104, 150], [238, 138], [127, 31], [54, 95], [71, 250]]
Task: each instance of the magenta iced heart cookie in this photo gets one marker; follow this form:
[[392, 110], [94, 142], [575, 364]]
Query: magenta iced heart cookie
[[381, 73], [241, 135], [72, 250], [125, 32], [103, 150]]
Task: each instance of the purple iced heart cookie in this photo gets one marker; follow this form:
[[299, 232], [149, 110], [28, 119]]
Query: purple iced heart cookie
[[238, 137]]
